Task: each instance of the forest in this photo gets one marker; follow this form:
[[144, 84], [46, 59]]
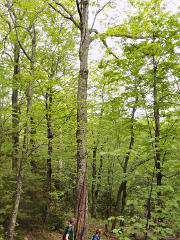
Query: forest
[[89, 117]]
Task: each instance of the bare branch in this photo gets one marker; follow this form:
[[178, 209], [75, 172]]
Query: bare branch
[[173, 103], [120, 35], [69, 17], [129, 36], [79, 10], [99, 10], [138, 164], [104, 43]]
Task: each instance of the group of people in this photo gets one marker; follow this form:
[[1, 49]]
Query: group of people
[[68, 233]]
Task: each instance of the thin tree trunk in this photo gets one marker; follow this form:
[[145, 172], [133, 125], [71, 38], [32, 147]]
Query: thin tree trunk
[[49, 136], [148, 217], [122, 188], [15, 109], [18, 188], [126, 162], [94, 199], [157, 141], [157, 128], [33, 145], [32, 124], [117, 207], [50, 147], [81, 229], [109, 192], [96, 186], [25, 145]]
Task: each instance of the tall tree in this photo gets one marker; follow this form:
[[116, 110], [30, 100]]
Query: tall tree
[[15, 108], [31, 58], [82, 8]]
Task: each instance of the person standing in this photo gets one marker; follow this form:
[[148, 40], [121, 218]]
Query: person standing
[[68, 233], [98, 235]]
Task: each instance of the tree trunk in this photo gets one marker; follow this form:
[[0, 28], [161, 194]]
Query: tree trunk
[[50, 148], [117, 207], [109, 192], [49, 136], [157, 128], [81, 230], [25, 146], [15, 110], [94, 198], [21, 170], [33, 145], [122, 187], [96, 185], [126, 162]]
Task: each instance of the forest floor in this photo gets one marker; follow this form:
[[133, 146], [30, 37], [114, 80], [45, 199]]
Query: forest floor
[[92, 226]]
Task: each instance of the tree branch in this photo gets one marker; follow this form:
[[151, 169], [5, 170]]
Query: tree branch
[[70, 17], [79, 10], [104, 43], [139, 164], [11, 13], [99, 10]]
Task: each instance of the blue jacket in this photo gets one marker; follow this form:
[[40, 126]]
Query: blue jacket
[[95, 238]]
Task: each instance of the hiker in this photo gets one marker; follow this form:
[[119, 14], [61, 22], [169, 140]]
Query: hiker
[[68, 233], [98, 234]]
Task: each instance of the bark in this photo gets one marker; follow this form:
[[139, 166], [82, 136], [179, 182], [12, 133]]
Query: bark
[[94, 197], [29, 96], [157, 128], [81, 229], [49, 136], [50, 147], [15, 110], [33, 145], [157, 140]]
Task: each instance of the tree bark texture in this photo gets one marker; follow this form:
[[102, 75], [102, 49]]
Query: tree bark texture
[[50, 147], [157, 127], [49, 136], [15, 109], [81, 229], [29, 98], [94, 197]]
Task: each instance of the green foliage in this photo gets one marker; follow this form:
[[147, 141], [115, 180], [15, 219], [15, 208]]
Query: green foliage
[[150, 32]]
